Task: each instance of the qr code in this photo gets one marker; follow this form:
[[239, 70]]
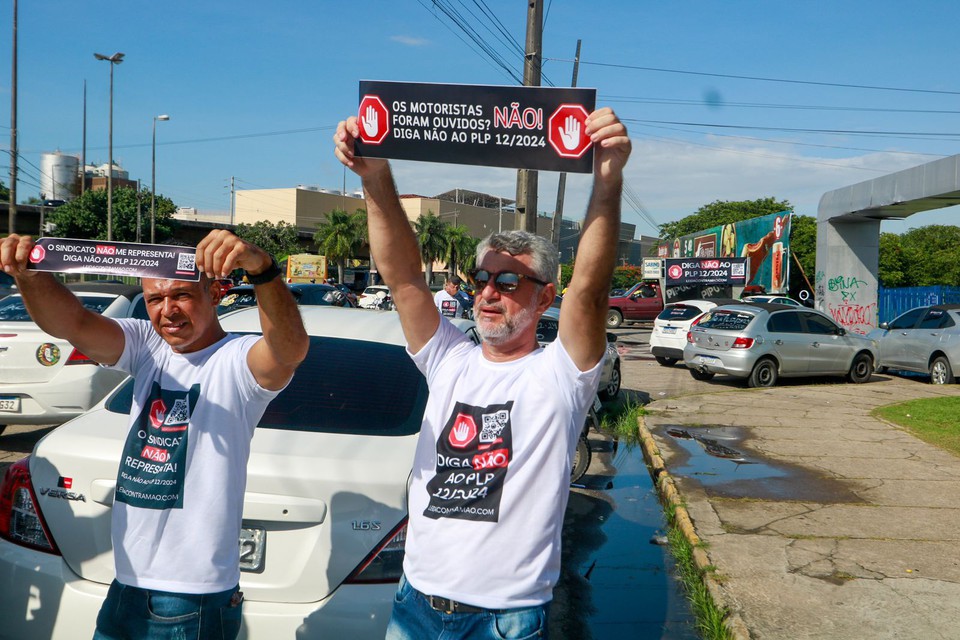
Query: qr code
[[186, 262], [738, 269]]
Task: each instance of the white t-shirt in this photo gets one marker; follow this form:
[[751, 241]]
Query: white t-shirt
[[448, 306], [178, 505], [491, 475]]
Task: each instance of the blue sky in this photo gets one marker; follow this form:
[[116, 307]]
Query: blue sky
[[254, 91]]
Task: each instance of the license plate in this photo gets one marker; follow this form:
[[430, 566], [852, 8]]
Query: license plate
[[707, 360], [253, 542], [669, 330], [596, 403], [10, 404]]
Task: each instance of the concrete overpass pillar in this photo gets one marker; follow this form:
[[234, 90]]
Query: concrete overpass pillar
[[848, 254]]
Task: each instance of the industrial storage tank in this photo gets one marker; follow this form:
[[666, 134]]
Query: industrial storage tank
[[59, 176]]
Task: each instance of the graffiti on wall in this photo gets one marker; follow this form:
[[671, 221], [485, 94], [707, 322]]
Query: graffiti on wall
[[837, 295]]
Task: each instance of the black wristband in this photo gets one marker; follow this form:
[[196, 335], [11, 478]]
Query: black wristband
[[264, 276]]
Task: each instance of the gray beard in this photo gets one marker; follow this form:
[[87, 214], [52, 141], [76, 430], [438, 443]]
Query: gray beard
[[507, 328]]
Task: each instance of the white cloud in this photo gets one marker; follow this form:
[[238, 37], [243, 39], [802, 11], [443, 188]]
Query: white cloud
[[410, 41]]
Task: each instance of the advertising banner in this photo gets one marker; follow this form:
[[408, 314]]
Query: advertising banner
[[495, 126], [727, 271], [765, 240], [67, 255]]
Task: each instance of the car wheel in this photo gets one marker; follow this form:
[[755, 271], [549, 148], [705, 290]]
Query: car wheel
[[614, 319], [581, 459], [940, 371], [610, 391], [666, 362], [764, 374], [701, 375], [861, 369]]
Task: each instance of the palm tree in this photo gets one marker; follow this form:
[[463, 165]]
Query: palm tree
[[459, 245], [341, 236], [432, 239]]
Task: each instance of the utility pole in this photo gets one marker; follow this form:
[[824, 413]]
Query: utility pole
[[533, 56], [83, 152], [12, 221], [562, 185], [233, 200], [140, 214]]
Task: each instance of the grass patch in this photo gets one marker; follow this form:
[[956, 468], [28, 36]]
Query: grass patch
[[621, 419], [709, 616], [933, 420]]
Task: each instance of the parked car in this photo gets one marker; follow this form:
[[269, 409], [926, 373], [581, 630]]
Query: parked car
[[547, 329], [771, 299], [245, 295], [368, 299], [347, 291], [764, 342], [924, 339], [324, 519], [44, 380], [7, 284], [642, 301], [669, 334]]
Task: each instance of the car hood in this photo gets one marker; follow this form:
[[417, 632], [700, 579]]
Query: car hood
[[307, 490]]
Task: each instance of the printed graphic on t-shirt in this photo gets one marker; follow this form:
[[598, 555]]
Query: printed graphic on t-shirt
[[473, 454], [154, 458], [449, 308]]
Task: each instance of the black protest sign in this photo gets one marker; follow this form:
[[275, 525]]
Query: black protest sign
[[495, 126], [114, 258], [730, 271]]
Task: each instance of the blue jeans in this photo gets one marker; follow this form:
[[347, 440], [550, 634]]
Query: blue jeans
[[414, 619], [130, 613]]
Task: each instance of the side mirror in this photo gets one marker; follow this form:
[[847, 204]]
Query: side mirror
[[884, 325], [611, 337], [841, 331]]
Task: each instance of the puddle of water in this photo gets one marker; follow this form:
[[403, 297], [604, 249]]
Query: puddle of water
[[614, 583], [713, 461]]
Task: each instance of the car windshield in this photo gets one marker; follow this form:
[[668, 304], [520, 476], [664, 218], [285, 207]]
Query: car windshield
[[679, 312], [728, 319], [12, 309], [344, 386]]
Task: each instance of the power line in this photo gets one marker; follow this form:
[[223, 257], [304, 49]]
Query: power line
[[761, 105], [918, 134]]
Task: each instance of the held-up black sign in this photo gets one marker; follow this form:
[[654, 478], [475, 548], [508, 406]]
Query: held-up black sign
[[114, 258], [494, 126], [731, 271]]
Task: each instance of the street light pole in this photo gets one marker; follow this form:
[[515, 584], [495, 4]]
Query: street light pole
[[115, 59], [153, 179]]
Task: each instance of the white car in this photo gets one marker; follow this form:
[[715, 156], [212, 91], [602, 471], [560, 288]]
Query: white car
[[369, 299], [324, 517], [669, 334], [44, 380], [772, 299]]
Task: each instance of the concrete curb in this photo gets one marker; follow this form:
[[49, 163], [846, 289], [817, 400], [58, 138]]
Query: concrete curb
[[670, 495]]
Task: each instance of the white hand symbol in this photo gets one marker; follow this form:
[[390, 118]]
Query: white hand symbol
[[461, 431], [370, 124], [570, 134]]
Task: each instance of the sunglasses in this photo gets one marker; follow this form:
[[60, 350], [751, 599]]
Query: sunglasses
[[505, 281]]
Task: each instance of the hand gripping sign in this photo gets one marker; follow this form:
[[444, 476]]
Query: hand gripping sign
[[68, 255], [497, 126]]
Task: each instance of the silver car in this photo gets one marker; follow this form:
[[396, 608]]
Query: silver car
[[925, 339], [547, 329], [764, 342]]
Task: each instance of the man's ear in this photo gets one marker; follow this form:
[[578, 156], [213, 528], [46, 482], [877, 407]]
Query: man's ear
[[548, 294]]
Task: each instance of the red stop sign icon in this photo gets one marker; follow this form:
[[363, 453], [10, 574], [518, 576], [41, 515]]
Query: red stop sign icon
[[158, 411], [566, 130], [374, 120]]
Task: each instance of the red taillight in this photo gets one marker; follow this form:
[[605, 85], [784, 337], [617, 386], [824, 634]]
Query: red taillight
[[79, 358], [385, 562], [21, 521], [690, 337], [742, 343]]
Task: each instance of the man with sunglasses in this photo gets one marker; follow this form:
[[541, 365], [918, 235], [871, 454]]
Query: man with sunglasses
[[492, 466]]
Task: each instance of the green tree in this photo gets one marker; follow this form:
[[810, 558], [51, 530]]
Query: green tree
[[803, 245], [721, 212], [891, 267], [460, 244], [86, 216], [279, 240], [432, 240], [341, 236], [930, 256], [4, 192]]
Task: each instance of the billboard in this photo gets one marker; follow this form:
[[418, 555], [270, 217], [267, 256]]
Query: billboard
[[765, 240]]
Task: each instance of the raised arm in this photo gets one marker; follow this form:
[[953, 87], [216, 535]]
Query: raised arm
[[584, 309], [275, 357], [392, 242], [56, 310]]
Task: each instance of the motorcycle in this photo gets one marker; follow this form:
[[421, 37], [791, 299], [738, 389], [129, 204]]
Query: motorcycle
[[384, 302]]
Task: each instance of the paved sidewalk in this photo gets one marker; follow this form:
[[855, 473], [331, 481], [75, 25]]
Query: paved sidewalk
[[861, 539]]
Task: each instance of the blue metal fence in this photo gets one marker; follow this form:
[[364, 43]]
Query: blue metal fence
[[892, 302]]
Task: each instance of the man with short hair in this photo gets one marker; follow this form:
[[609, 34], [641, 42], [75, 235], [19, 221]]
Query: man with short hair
[[447, 300], [198, 394], [492, 467]]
